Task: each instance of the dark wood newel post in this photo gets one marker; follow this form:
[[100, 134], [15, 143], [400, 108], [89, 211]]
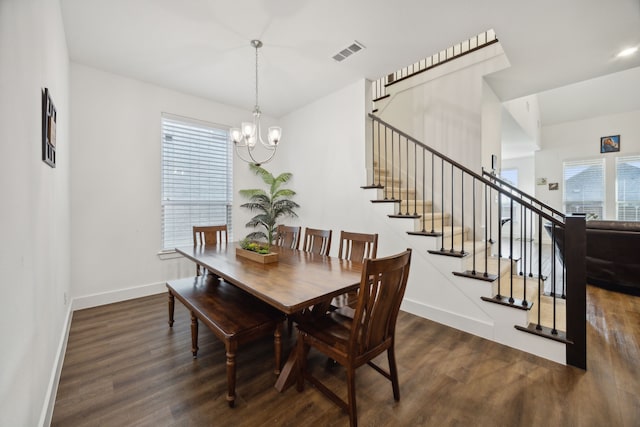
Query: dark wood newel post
[[575, 235]]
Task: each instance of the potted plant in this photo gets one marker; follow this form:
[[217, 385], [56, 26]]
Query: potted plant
[[270, 205]]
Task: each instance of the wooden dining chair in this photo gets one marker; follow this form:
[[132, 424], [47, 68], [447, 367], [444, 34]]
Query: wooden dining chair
[[354, 342], [288, 237], [354, 247], [209, 235], [317, 241], [357, 246]]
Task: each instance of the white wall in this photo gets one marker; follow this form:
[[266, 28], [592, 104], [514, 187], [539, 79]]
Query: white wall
[[581, 140], [115, 191], [324, 147], [34, 219]]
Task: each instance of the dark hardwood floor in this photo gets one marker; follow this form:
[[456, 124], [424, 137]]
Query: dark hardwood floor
[[125, 367]]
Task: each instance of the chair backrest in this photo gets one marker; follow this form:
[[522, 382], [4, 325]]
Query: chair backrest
[[288, 237], [357, 246], [209, 235], [382, 287], [317, 241]]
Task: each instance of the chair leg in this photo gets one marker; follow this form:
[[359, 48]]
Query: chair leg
[[232, 347], [351, 392], [194, 335], [393, 373], [301, 351], [172, 304], [277, 345]]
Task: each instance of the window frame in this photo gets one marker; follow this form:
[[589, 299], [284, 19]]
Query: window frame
[[586, 163], [187, 192]]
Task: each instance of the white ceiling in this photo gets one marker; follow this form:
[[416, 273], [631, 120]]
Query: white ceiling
[[202, 47]]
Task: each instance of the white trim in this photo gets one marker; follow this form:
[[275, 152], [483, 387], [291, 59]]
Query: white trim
[[52, 389], [110, 297]]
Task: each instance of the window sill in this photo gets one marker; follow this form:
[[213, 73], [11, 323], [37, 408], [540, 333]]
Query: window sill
[[168, 254]]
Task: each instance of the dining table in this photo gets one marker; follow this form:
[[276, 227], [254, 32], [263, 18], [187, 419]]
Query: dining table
[[298, 283]]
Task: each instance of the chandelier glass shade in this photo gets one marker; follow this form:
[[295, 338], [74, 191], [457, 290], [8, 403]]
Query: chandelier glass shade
[[246, 138]]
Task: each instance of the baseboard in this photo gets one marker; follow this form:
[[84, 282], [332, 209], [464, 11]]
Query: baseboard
[[110, 297], [52, 389], [478, 327]]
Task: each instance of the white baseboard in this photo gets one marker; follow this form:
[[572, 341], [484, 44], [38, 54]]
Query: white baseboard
[[52, 389], [478, 327], [110, 297]]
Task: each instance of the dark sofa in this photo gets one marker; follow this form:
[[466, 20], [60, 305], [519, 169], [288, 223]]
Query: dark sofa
[[613, 255]]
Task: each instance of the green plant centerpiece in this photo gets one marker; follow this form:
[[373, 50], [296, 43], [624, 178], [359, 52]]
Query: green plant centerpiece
[[270, 205]]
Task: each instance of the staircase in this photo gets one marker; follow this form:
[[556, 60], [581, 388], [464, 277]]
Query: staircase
[[448, 214]]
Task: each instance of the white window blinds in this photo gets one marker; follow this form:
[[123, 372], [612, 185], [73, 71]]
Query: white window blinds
[[628, 188], [583, 190], [196, 179]]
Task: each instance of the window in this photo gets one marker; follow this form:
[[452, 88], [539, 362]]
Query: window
[[196, 178], [628, 188], [584, 187]]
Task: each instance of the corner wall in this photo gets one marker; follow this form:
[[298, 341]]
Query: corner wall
[[35, 214]]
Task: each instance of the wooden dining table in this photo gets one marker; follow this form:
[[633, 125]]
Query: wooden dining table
[[297, 281]]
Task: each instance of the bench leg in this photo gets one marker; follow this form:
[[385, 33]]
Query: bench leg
[[277, 345], [194, 335], [172, 304], [232, 347]]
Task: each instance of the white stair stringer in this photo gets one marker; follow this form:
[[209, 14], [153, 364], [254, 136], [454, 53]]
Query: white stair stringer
[[435, 293]]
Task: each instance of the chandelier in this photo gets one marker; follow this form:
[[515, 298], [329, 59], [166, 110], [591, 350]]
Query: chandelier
[[246, 138]]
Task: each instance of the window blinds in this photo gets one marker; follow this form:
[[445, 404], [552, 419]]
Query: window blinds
[[584, 187], [628, 188], [196, 179]]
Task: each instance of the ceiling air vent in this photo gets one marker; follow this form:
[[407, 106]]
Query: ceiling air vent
[[348, 51]]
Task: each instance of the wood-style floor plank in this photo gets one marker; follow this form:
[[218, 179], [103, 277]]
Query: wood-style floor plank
[[124, 366]]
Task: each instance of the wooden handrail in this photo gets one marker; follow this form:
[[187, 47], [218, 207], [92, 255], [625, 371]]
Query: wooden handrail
[[468, 171], [522, 193]]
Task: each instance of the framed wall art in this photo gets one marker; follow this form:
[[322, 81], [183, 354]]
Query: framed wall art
[[49, 119], [610, 144]]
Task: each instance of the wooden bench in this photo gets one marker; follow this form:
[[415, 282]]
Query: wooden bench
[[234, 316]]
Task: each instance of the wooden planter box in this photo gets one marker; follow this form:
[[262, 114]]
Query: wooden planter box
[[254, 256]]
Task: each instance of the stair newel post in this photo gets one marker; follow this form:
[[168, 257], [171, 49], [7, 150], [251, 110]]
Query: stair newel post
[[487, 189], [462, 208], [510, 251], [442, 203], [575, 252]]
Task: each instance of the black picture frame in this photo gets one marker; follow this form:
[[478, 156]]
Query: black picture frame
[[49, 120], [610, 144]]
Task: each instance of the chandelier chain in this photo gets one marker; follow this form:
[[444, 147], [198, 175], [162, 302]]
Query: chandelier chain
[[257, 105]]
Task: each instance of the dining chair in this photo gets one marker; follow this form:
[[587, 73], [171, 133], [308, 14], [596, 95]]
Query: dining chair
[[354, 247], [288, 237], [317, 241], [208, 235], [354, 342]]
